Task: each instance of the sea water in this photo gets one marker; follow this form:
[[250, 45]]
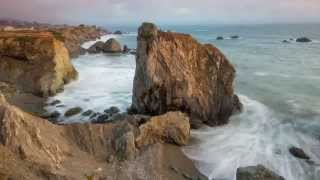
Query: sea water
[[278, 83]]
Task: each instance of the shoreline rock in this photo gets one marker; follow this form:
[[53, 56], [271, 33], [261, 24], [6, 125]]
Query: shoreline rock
[[35, 62], [256, 173], [174, 72]]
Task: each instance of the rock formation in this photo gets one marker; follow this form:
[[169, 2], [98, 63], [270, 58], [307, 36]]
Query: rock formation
[[112, 46], [33, 148], [303, 40], [96, 48], [174, 72], [256, 173], [73, 37], [35, 62]]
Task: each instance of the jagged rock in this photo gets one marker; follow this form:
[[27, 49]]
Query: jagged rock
[[35, 62], [112, 46], [96, 47], [219, 38], [298, 153], [256, 173], [73, 111], [303, 40], [172, 127], [174, 72]]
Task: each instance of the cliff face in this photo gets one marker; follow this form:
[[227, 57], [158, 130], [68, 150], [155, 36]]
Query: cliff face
[[73, 37], [35, 62], [175, 72]]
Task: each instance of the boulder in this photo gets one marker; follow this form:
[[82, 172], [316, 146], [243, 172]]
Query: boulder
[[219, 38], [96, 47], [234, 37], [118, 32], [172, 127], [112, 46], [303, 39], [35, 62], [256, 173], [298, 153], [73, 111], [125, 49], [174, 72], [87, 113]]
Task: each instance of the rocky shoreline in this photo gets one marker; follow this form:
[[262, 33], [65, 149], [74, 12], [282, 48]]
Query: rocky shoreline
[[179, 84]]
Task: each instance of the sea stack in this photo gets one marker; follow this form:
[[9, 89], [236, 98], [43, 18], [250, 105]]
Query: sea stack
[[174, 72]]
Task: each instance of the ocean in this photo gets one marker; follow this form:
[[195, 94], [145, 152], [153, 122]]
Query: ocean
[[278, 83]]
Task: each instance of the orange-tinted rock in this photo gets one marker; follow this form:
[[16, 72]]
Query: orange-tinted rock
[[174, 72], [35, 62]]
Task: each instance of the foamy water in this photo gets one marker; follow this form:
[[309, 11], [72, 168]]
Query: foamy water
[[254, 137], [105, 80]]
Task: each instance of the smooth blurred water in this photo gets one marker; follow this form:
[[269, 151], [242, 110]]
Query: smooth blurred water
[[279, 84]]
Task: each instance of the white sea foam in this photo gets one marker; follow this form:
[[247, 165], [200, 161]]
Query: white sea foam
[[254, 137], [104, 81], [104, 38]]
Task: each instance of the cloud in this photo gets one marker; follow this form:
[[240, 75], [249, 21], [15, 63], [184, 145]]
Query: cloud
[[164, 11]]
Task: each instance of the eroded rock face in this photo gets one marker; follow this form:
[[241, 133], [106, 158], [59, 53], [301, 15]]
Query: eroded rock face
[[33, 148], [175, 72], [172, 127], [35, 62], [256, 173]]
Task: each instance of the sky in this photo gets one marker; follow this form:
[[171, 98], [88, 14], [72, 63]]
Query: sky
[[121, 12]]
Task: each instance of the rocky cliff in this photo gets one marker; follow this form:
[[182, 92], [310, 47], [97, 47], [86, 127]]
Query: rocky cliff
[[73, 37], [36, 62], [175, 72], [33, 148]]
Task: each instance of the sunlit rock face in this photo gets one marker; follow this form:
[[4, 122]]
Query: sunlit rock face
[[175, 72], [36, 62]]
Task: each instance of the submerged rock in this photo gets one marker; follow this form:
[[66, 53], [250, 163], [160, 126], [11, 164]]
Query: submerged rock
[[174, 72], [234, 37], [298, 153], [87, 113], [96, 47], [112, 110], [219, 38], [256, 173], [73, 111], [112, 46], [286, 41], [303, 40], [36, 62]]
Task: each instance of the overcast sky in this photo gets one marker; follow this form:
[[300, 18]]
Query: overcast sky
[[103, 12]]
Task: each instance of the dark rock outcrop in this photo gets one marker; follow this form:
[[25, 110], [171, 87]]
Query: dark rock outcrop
[[36, 62], [219, 38], [96, 48], [298, 153], [234, 37], [303, 39], [118, 32], [256, 173], [72, 111], [112, 46], [174, 72]]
